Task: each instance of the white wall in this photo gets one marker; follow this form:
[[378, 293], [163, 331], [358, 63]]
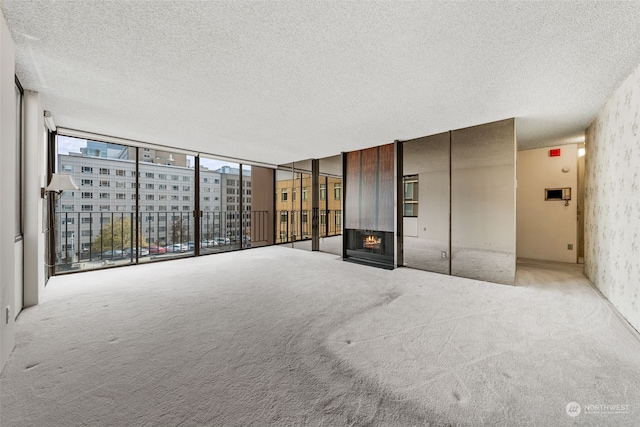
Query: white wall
[[545, 228], [34, 173], [7, 191], [612, 200]]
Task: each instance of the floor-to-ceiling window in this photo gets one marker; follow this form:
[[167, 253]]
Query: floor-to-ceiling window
[[166, 183], [144, 204], [96, 225]]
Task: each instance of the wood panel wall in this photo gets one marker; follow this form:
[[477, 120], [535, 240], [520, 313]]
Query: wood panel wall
[[370, 193]]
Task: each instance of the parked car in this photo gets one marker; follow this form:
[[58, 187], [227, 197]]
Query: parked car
[[153, 249], [177, 247], [116, 253], [222, 240], [143, 252]]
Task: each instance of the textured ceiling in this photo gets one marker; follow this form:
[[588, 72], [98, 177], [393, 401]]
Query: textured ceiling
[[283, 81]]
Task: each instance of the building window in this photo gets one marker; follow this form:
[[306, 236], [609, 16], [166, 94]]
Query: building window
[[323, 191], [149, 175], [216, 181], [294, 194], [162, 176], [186, 178], [104, 208], [87, 208], [185, 208], [120, 172], [87, 182], [337, 190], [304, 193], [105, 184], [175, 177], [121, 208], [150, 197], [305, 216], [162, 208], [86, 169], [175, 208], [87, 220], [104, 195], [86, 233], [67, 207], [205, 179], [162, 186], [87, 195], [186, 188], [186, 198], [149, 186], [148, 207], [104, 171], [162, 197], [411, 195], [283, 217], [120, 184], [120, 196], [231, 182], [175, 197], [231, 191], [284, 195], [175, 187]]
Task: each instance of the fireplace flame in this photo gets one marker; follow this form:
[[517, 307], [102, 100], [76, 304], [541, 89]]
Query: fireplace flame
[[371, 242]]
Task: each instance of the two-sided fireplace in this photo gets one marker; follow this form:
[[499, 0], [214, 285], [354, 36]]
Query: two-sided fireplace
[[370, 247]]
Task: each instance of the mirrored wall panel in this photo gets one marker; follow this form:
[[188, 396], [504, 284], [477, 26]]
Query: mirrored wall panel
[[331, 204], [483, 202], [426, 203]]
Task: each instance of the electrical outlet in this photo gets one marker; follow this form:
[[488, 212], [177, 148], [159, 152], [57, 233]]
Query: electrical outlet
[[570, 246], [443, 254]]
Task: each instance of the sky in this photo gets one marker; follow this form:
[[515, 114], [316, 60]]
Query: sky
[[68, 145]]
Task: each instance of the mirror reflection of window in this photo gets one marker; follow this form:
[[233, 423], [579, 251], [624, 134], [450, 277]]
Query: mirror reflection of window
[[411, 195]]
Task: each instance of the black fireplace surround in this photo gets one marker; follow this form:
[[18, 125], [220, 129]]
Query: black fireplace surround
[[370, 247]]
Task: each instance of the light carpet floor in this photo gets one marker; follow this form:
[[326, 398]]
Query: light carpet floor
[[283, 337]]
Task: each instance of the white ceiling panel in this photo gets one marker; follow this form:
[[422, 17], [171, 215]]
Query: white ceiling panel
[[282, 81]]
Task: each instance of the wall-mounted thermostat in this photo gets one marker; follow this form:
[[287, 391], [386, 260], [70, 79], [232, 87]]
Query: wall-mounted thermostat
[[560, 194]]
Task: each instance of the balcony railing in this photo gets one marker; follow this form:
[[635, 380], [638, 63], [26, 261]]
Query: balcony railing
[[296, 225], [89, 240]]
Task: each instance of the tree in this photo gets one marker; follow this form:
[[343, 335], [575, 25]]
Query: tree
[[117, 235], [179, 230]]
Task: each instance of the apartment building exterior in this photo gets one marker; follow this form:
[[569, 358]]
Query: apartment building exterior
[[106, 200]]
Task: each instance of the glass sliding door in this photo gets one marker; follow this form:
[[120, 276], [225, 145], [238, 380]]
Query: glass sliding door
[[166, 205], [95, 226], [284, 205], [220, 203]]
